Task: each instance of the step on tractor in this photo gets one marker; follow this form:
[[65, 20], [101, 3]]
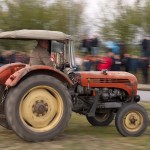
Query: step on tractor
[[36, 101]]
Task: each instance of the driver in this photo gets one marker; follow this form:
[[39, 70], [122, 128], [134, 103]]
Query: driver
[[40, 54]]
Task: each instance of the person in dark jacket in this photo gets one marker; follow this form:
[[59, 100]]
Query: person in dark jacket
[[134, 64], [94, 46], [116, 65], [145, 69], [146, 47], [126, 60], [122, 49], [83, 46]]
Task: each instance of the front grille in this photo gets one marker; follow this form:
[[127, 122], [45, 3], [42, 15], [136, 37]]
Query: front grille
[[103, 80]]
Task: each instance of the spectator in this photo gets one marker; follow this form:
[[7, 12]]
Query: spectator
[[105, 62], [88, 45], [87, 63], [94, 45], [109, 45], [21, 57], [145, 69], [116, 49], [113, 46], [145, 46], [126, 62], [122, 49], [116, 65], [134, 64], [84, 46], [9, 57]]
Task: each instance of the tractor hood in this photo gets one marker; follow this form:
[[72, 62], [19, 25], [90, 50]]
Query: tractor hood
[[100, 79]]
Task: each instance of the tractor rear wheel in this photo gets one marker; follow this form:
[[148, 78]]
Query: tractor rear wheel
[[38, 108], [3, 121]]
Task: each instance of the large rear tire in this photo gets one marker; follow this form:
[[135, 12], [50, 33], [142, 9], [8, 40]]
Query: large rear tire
[[38, 108], [3, 121], [131, 120]]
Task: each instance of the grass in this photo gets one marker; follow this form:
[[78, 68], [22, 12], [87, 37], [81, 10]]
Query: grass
[[80, 135]]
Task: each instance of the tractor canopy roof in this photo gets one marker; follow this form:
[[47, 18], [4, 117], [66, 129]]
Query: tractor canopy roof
[[26, 34]]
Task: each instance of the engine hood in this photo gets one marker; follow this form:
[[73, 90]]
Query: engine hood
[[116, 79]]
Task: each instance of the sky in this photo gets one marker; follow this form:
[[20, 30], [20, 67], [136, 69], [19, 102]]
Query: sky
[[93, 5]]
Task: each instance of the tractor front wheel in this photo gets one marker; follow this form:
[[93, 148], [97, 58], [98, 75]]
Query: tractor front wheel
[[131, 120]]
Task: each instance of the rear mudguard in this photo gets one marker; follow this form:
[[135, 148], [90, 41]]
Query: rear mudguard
[[41, 69], [7, 70]]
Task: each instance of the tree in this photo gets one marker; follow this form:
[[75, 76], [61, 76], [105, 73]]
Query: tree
[[127, 19], [39, 14]]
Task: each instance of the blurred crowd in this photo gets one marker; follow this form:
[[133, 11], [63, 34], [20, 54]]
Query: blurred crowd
[[13, 56], [115, 58], [91, 57]]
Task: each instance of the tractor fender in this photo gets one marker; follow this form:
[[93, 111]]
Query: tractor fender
[[20, 74], [7, 70]]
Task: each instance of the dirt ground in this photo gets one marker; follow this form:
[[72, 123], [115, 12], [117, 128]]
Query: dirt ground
[[80, 135]]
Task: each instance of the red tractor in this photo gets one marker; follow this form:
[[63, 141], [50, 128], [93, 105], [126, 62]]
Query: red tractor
[[37, 101]]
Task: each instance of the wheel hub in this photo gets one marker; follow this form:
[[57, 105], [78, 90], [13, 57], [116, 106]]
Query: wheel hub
[[40, 108], [36, 109], [133, 120]]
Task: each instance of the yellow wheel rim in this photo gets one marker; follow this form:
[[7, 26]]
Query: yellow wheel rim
[[133, 121], [41, 108]]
